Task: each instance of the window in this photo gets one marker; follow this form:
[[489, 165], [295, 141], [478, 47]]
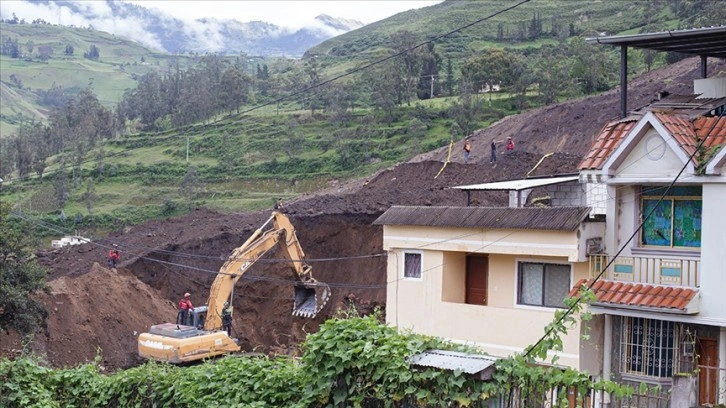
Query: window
[[412, 265], [676, 221], [647, 347], [542, 284]]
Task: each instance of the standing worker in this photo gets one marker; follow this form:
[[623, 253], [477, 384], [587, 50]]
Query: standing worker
[[113, 257], [278, 204], [185, 307], [227, 318], [467, 150], [493, 158]]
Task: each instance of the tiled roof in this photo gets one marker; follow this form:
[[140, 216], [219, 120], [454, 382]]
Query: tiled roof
[[607, 141], [545, 218], [673, 299], [687, 133]]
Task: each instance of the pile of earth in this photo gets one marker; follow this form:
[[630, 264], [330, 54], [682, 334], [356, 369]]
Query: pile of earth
[[96, 311]]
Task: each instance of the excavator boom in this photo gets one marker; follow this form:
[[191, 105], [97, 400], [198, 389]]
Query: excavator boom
[[178, 343]]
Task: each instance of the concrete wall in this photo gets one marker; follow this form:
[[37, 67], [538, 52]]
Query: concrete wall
[[434, 304], [713, 252]]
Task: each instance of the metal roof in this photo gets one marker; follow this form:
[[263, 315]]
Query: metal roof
[[453, 360], [530, 218], [518, 185], [707, 42]]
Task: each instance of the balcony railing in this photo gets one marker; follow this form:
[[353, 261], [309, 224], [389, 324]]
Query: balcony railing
[[655, 271]]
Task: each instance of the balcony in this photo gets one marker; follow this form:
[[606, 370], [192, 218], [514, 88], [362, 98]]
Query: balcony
[[654, 271]]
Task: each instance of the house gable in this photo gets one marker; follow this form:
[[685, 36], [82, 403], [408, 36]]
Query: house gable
[[717, 165], [649, 150]]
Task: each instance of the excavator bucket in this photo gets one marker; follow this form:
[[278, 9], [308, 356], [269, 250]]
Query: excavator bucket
[[310, 298]]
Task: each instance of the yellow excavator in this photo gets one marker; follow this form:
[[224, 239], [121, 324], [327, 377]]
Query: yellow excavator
[[203, 337]]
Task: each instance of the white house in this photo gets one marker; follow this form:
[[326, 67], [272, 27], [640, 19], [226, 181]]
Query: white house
[[660, 287]]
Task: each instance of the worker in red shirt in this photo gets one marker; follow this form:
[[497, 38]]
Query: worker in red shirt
[[113, 256], [185, 307]]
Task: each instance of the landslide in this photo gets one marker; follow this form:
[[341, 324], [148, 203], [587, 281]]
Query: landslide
[[97, 311]]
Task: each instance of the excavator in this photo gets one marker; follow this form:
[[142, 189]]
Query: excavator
[[203, 337]]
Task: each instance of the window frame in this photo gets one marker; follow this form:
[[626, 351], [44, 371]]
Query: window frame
[[405, 265], [672, 199], [647, 347], [520, 281]]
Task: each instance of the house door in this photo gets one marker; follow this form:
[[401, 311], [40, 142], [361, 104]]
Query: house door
[[477, 276], [707, 350]]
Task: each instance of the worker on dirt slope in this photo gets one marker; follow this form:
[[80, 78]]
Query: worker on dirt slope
[[185, 307], [510, 144], [278, 204], [467, 150], [113, 256], [227, 319]]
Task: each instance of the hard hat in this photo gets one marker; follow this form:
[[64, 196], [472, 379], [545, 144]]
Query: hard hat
[[187, 294], [226, 304], [115, 245]]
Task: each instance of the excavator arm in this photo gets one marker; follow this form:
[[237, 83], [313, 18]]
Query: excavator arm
[[310, 295]]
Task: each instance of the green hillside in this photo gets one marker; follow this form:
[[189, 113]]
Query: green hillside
[[44, 63], [510, 28], [174, 147]]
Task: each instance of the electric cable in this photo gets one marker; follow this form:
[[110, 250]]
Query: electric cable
[[570, 309]]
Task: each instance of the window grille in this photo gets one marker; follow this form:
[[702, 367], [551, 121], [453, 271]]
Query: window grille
[[648, 347]]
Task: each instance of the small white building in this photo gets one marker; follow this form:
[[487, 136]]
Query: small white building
[[69, 240]]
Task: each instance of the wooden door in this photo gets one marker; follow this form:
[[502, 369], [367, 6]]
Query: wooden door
[[477, 277], [707, 350]]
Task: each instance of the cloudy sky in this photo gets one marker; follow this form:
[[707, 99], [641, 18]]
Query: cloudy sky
[[292, 14]]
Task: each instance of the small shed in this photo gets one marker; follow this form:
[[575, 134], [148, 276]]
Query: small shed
[[477, 365]]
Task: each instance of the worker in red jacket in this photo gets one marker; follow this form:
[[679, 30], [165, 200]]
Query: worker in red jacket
[[113, 256], [185, 307]]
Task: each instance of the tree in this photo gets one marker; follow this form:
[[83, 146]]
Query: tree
[[89, 197], [189, 187], [69, 50], [449, 77], [488, 71], [93, 53], [429, 79], [20, 277], [408, 63]]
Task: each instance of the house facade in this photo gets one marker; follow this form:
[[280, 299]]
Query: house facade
[[659, 176], [490, 277]]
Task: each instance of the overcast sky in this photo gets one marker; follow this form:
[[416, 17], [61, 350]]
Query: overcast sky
[[293, 14]]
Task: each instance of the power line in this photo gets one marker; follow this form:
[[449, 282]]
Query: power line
[[632, 236]]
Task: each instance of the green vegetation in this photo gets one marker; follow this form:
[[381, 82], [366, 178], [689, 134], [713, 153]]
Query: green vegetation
[[350, 362], [210, 131], [20, 277]]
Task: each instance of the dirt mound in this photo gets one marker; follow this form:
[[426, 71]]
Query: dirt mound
[[96, 310]]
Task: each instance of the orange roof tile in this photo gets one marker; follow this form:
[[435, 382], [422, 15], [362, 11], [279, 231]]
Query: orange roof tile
[[607, 141], [687, 133], [613, 293]]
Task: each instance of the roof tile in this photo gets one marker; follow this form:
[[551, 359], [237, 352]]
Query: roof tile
[[614, 293]]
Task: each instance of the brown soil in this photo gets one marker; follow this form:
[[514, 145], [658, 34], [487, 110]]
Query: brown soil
[[96, 310]]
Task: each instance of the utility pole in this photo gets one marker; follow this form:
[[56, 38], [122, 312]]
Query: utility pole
[[432, 86]]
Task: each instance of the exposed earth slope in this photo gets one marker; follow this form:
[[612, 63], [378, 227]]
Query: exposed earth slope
[[96, 310]]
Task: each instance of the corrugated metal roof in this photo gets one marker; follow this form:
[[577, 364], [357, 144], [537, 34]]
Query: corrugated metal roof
[[708, 41], [545, 218], [523, 184], [453, 360], [639, 295]]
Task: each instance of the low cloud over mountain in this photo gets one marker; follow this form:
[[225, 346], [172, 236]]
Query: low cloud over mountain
[[163, 32]]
